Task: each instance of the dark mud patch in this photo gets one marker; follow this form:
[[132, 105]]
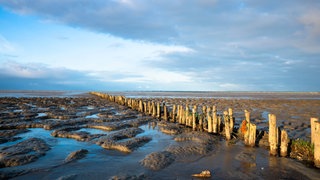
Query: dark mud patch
[[76, 155], [22, 153], [118, 140], [158, 160], [170, 128], [126, 146], [8, 135]]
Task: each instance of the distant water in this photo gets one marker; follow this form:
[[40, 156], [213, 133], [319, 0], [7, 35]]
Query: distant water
[[171, 94], [219, 94], [31, 93]]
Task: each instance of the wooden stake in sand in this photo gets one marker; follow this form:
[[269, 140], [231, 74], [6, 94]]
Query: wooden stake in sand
[[226, 125], [214, 120], [316, 154], [284, 143], [231, 120], [194, 111], [173, 117], [140, 106], [187, 115], [219, 123], [145, 107], [312, 122], [209, 119], [250, 132], [158, 110], [149, 108], [273, 137], [154, 110], [247, 115], [165, 112]]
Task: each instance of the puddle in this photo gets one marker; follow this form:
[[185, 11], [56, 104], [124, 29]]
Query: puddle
[[93, 131], [92, 116], [42, 115], [265, 116]]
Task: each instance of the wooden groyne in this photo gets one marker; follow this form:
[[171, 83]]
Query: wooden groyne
[[206, 118]]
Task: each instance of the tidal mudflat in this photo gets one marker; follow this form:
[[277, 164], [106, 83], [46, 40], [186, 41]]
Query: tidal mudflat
[[81, 136]]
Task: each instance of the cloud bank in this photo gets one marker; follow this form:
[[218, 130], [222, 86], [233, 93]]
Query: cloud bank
[[201, 45]]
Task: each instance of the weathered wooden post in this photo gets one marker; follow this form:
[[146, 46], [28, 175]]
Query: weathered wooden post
[[165, 113], [209, 119], [202, 117], [249, 129], [250, 134], [158, 110], [219, 123], [316, 154], [312, 123], [183, 116], [284, 143], [145, 107], [187, 115], [226, 125], [247, 115], [273, 137], [214, 120], [231, 120], [178, 114], [149, 108], [140, 106], [154, 110], [194, 111], [174, 109]]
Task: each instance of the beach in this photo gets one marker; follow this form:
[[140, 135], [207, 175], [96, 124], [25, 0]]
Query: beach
[[77, 135]]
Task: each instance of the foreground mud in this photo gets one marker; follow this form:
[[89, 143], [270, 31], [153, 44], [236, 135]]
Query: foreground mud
[[87, 137]]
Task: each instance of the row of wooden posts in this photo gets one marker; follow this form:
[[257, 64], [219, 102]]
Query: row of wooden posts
[[207, 119]]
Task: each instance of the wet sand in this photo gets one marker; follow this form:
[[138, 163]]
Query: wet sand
[[104, 129]]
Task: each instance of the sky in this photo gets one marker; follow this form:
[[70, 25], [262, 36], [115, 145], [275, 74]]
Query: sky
[[148, 45]]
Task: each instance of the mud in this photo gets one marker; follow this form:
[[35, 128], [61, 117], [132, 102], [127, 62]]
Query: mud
[[103, 140]]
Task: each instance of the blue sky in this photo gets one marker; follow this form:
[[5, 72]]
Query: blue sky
[[200, 45]]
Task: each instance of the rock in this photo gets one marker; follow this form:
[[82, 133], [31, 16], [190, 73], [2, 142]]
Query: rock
[[203, 174], [76, 155]]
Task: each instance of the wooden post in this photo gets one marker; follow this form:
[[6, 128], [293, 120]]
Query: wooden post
[[214, 120], [209, 119], [154, 111], [194, 111], [187, 115], [174, 109], [284, 143], [165, 112], [179, 114], [145, 107], [312, 123], [247, 116], [158, 110], [219, 124], [231, 120], [140, 106], [250, 135], [202, 118], [226, 125], [273, 131], [316, 154], [183, 116]]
